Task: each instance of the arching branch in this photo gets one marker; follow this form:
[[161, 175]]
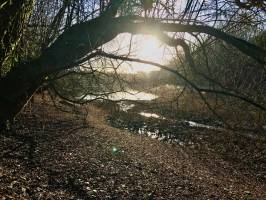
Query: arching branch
[[133, 25], [84, 38]]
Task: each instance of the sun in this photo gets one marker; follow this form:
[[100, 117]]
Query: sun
[[148, 48], [144, 47]]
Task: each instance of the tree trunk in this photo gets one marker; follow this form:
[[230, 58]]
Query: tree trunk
[[79, 40], [13, 15], [22, 81]]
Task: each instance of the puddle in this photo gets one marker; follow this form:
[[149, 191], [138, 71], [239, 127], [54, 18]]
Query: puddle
[[198, 125], [145, 114], [170, 134], [125, 107], [156, 135], [171, 131], [153, 135]]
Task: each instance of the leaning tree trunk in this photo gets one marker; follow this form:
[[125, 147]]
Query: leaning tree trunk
[[20, 83], [13, 17]]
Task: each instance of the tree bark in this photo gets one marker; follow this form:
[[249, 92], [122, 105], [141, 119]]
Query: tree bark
[[13, 15], [22, 81]]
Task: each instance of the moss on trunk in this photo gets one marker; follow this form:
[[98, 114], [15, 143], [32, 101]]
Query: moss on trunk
[[13, 17]]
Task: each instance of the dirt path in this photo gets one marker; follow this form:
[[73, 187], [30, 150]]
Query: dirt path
[[173, 171], [69, 158]]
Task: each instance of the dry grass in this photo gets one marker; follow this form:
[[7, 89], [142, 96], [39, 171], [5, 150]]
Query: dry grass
[[236, 113]]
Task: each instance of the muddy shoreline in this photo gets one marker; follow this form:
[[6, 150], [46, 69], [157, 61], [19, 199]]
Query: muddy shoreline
[[143, 118]]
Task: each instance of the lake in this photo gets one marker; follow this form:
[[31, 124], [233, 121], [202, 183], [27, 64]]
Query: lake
[[132, 95]]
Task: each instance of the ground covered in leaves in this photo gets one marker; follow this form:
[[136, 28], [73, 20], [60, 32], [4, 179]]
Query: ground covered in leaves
[[52, 154]]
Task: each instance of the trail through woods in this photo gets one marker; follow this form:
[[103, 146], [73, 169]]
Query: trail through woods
[[50, 154]]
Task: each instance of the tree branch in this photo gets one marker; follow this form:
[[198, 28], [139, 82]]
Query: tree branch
[[136, 26], [193, 85]]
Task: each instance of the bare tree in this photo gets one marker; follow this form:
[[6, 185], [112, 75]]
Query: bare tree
[[78, 35]]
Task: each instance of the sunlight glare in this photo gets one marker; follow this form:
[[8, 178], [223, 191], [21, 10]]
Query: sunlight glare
[[144, 47], [148, 48]]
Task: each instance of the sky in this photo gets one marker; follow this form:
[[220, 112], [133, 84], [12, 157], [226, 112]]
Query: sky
[[144, 47]]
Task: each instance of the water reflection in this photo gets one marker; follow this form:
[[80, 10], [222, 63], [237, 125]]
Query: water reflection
[[198, 125], [145, 114], [132, 95], [125, 107]]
